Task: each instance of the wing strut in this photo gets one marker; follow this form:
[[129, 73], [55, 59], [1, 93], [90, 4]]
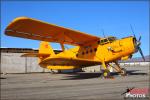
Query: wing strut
[[62, 46]]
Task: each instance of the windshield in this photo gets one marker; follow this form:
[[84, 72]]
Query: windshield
[[107, 40], [112, 39]]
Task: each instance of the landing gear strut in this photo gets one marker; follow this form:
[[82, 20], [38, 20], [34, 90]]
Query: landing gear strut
[[117, 68], [122, 71], [105, 72]]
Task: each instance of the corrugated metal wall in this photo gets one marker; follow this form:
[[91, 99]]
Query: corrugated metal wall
[[13, 63]]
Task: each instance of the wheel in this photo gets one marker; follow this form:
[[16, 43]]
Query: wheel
[[106, 73], [123, 72], [52, 72], [59, 71]]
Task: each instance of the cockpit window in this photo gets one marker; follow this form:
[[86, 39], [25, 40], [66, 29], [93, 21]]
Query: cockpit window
[[102, 42], [107, 40], [111, 39]]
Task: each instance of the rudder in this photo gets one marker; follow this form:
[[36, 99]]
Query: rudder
[[45, 48]]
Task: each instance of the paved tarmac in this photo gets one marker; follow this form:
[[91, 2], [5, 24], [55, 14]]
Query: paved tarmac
[[73, 86]]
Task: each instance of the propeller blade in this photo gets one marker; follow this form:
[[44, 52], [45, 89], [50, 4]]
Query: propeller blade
[[132, 30], [140, 38], [140, 50]]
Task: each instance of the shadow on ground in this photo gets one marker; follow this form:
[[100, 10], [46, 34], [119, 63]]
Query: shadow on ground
[[2, 78], [85, 75]]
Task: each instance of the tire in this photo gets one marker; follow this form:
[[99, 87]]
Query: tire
[[59, 71], [106, 73], [123, 72]]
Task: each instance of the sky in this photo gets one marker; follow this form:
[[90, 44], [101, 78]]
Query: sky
[[114, 17]]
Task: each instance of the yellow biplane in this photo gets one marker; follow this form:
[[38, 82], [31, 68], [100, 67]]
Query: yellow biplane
[[89, 50]]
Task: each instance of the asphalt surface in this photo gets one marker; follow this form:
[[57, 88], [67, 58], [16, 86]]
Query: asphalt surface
[[73, 86]]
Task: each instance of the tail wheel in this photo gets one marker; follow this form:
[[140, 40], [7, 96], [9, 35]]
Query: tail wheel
[[123, 72], [59, 71], [52, 72]]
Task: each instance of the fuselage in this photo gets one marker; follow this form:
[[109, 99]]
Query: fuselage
[[102, 50], [89, 50]]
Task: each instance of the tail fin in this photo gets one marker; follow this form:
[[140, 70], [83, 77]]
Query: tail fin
[[45, 51], [45, 48]]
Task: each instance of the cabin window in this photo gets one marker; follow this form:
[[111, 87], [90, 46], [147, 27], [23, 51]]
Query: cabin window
[[91, 50], [82, 53], [95, 49], [98, 42], [87, 52], [77, 55]]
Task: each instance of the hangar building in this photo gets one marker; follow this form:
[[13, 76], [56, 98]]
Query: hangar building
[[11, 62]]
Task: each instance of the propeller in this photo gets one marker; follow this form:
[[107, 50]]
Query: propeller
[[132, 31], [139, 38], [140, 50], [137, 43]]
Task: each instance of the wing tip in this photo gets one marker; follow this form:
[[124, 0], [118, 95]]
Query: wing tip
[[20, 18], [8, 28]]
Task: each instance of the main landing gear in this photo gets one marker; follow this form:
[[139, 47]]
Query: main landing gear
[[121, 71], [106, 72]]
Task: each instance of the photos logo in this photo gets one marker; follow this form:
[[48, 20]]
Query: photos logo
[[136, 93]]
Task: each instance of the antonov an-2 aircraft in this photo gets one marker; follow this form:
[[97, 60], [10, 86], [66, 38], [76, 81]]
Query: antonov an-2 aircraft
[[89, 50]]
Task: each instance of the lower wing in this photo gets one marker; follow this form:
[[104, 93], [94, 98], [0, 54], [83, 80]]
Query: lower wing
[[69, 62]]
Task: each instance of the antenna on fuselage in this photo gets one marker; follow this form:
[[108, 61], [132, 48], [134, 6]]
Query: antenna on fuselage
[[103, 33]]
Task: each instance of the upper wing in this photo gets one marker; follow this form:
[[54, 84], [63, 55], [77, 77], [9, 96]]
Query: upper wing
[[34, 29]]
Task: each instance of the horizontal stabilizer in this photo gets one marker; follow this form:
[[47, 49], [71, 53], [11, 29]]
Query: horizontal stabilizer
[[35, 55]]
